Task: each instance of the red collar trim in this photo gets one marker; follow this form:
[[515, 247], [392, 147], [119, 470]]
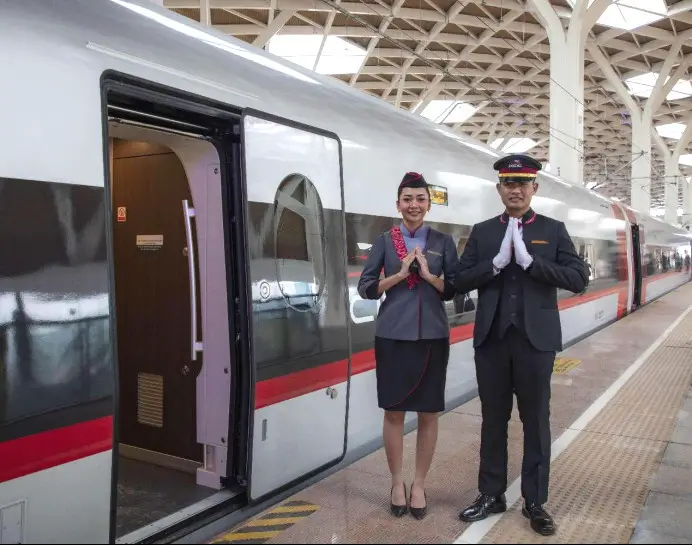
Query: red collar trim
[[504, 216]]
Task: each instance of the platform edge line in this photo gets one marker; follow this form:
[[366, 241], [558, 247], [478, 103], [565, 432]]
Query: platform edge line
[[478, 530]]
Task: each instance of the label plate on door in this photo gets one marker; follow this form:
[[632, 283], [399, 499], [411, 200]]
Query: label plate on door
[[150, 243]]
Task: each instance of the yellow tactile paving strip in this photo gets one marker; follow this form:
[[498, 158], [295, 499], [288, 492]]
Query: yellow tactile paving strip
[[269, 525], [599, 484], [565, 365]]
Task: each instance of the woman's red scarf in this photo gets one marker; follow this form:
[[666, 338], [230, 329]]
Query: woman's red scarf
[[400, 247]]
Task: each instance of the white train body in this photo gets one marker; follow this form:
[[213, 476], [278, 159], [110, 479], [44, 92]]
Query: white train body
[[301, 392]]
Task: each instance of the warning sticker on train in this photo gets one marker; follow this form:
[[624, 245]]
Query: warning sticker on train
[[270, 525], [122, 213]]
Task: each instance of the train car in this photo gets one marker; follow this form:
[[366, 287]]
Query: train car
[[183, 221]]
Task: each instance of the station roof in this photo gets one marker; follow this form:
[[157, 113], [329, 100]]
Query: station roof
[[482, 67]]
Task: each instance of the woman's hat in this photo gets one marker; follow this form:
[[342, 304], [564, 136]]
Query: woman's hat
[[413, 179]]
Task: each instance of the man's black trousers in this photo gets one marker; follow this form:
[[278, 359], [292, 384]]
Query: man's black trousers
[[507, 365]]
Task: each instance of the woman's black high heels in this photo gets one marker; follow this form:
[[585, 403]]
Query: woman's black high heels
[[398, 510], [419, 513]]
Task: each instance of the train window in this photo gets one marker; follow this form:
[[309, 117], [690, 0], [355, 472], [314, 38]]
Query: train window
[[299, 242], [55, 345], [461, 309]]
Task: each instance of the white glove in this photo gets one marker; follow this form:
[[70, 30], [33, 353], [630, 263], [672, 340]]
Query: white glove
[[521, 254], [502, 259]]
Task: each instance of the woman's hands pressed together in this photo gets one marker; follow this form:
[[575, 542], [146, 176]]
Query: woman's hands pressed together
[[425, 274], [404, 273]]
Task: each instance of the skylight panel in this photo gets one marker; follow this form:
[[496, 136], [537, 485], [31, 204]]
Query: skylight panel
[[682, 89], [514, 145], [214, 41], [644, 84], [660, 212], [448, 111], [671, 130], [461, 112], [338, 56], [631, 14], [686, 160]]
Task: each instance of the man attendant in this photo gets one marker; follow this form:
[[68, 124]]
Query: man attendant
[[516, 262]]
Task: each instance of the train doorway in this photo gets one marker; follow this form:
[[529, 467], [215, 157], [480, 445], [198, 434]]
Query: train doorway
[[158, 450], [178, 296], [175, 416], [157, 378], [638, 274]]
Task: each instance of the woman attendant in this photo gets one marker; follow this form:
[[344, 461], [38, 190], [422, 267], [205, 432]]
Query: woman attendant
[[412, 333]]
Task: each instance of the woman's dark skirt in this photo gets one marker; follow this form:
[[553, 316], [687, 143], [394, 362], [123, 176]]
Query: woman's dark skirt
[[411, 375]]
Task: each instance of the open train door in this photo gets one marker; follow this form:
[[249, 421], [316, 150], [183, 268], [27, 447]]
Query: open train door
[[297, 270], [637, 233]]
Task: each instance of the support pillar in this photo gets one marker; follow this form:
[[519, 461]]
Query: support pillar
[[566, 149], [687, 203], [566, 155], [640, 198], [674, 178], [671, 191], [205, 12]]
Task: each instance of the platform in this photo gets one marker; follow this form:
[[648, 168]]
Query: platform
[[618, 397]]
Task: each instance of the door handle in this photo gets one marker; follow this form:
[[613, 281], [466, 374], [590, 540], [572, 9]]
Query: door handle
[[189, 213]]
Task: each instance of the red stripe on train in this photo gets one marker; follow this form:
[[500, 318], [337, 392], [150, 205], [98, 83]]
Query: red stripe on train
[[52, 448], [42, 451], [275, 390]]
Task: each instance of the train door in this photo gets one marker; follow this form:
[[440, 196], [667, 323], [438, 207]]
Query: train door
[[637, 258], [157, 373], [299, 301]]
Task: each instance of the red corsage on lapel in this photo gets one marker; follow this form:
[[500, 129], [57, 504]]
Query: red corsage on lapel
[[401, 252]]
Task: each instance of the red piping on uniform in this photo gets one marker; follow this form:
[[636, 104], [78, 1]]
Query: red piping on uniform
[[41, 451], [527, 222], [420, 315], [414, 176], [420, 379]]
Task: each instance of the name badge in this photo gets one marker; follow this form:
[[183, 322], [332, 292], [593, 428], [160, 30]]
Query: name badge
[[539, 242], [433, 252]]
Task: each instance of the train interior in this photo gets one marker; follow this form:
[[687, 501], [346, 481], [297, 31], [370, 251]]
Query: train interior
[[173, 411]]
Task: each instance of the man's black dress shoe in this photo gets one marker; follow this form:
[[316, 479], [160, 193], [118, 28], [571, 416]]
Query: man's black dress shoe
[[398, 510], [483, 506], [541, 522]]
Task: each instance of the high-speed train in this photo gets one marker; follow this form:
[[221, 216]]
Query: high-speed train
[[183, 221]]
